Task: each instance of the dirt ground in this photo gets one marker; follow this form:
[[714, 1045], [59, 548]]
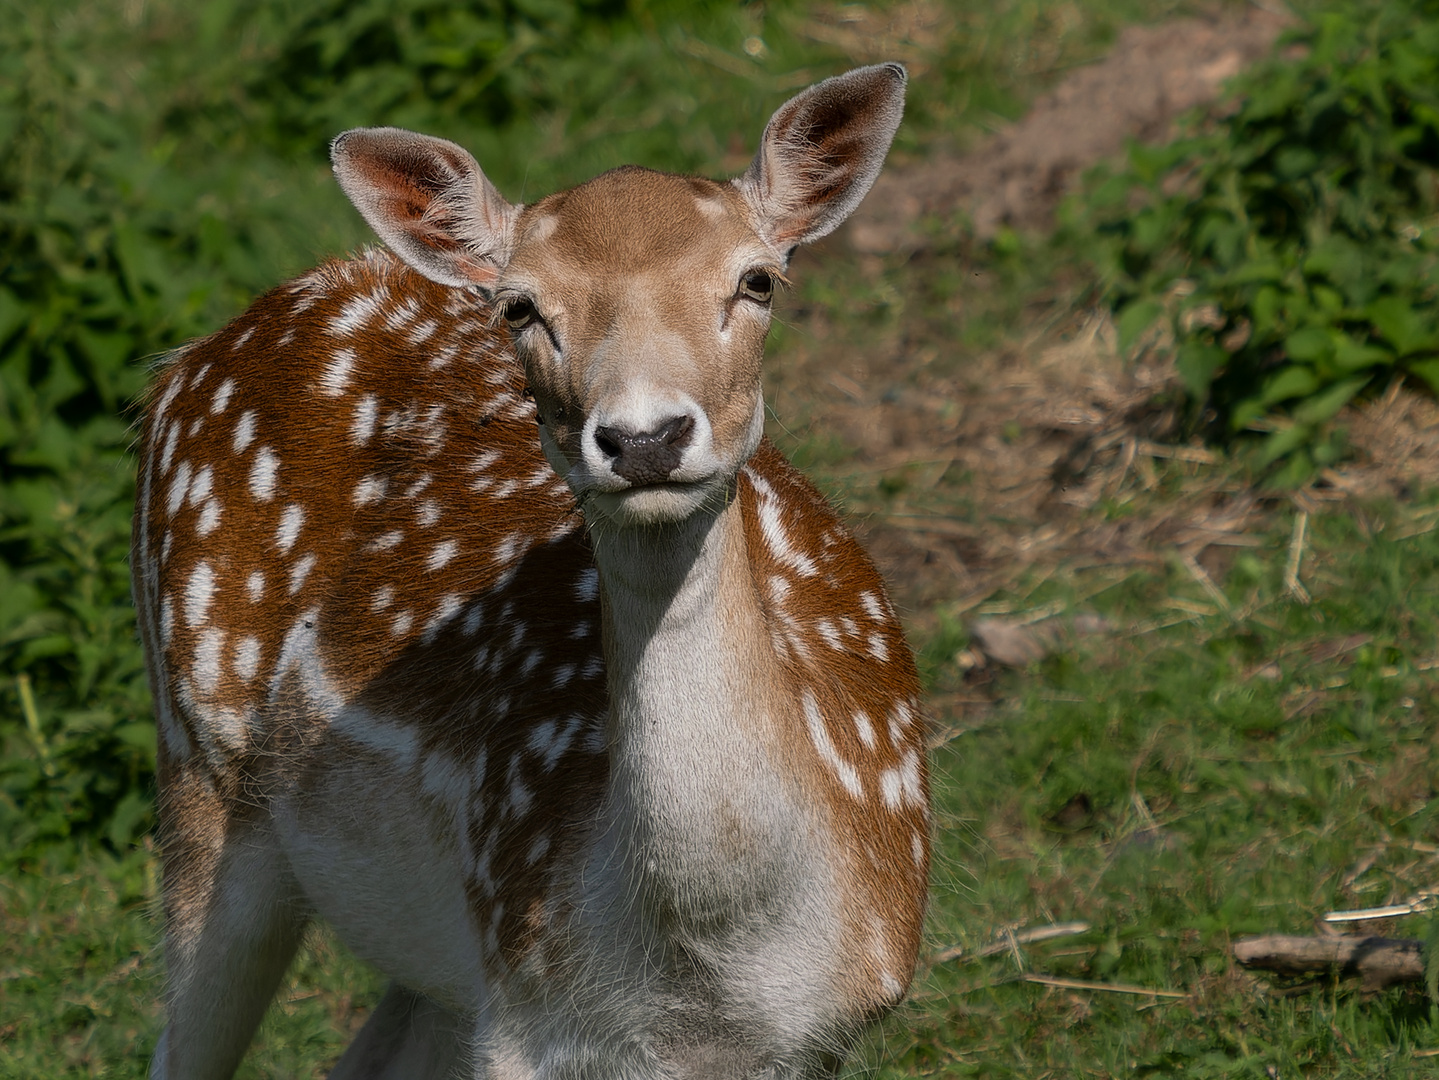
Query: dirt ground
[[1015, 460]]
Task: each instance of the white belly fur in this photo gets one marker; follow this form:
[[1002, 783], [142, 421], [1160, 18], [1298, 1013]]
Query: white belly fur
[[384, 869]]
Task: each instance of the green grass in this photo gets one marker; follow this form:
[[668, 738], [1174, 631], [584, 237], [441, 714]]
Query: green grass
[[1194, 774], [1180, 786], [1175, 786]]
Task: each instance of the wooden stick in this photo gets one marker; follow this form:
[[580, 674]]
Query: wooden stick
[[1379, 961], [1111, 988]]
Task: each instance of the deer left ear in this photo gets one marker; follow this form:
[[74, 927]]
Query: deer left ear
[[429, 201], [821, 152]]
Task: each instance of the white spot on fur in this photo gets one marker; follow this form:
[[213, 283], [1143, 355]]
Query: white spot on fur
[[255, 585], [871, 606], [819, 735], [403, 621], [167, 619], [207, 659], [441, 554], [354, 315], [179, 487], [775, 535], [202, 485], [167, 452], [385, 541], [300, 571], [370, 489], [336, 376], [890, 788], [448, 608], [221, 401], [199, 591], [292, 520], [383, 598], [362, 427], [473, 619], [209, 517], [247, 658], [427, 513], [877, 647], [262, 474], [541, 736], [520, 797], [244, 432], [909, 779], [865, 730], [587, 585]]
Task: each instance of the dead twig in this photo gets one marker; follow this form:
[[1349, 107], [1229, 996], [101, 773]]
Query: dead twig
[[1199, 574], [1292, 583], [1108, 988], [1010, 940]]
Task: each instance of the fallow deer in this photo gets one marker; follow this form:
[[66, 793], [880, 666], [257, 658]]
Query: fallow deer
[[484, 624]]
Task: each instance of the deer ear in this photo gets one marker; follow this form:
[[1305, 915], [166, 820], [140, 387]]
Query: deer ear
[[821, 152], [428, 200]]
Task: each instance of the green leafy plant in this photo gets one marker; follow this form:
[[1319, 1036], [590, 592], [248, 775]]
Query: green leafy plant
[[1292, 242]]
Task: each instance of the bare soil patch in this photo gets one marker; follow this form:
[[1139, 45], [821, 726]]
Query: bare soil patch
[[1016, 177]]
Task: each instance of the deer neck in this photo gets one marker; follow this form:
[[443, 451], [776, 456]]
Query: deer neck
[[707, 809]]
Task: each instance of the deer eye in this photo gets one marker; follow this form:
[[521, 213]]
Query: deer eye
[[519, 314], [757, 285]]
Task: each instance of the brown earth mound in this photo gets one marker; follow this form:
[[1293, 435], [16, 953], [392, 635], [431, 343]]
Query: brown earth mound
[[1016, 177]]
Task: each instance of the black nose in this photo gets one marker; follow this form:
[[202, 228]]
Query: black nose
[[646, 457]]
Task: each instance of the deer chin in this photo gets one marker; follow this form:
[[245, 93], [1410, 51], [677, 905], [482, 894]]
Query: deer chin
[[651, 504]]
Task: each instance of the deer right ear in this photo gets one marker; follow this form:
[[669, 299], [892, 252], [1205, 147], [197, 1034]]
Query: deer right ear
[[428, 200], [821, 152]]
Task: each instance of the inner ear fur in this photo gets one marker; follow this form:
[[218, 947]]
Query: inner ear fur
[[821, 152], [429, 201]]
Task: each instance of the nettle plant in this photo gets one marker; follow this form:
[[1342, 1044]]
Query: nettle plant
[[1291, 243]]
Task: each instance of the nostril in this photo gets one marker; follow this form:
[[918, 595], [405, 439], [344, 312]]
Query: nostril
[[677, 432], [610, 441], [646, 457]]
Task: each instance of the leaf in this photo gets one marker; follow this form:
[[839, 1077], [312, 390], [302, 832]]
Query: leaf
[[1428, 370], [1284, 442], [12, 314], [1351, 355], [1322, 406], [1134, 320], [1402, 326], [1310, 344], [1293, 381], [128, 819], [1197, 365]]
